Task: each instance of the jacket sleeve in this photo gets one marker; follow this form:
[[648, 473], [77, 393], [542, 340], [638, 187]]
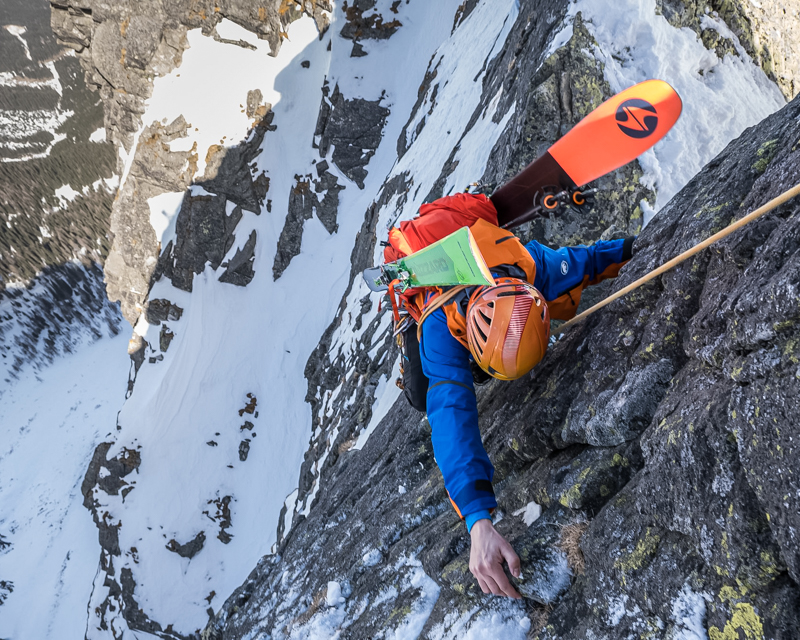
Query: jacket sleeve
[[561, 274], [453, 415]]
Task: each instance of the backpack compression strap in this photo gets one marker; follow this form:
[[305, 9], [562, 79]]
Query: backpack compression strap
[[437, 303]]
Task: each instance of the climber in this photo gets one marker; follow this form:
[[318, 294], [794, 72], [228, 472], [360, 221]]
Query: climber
[[499, 331]]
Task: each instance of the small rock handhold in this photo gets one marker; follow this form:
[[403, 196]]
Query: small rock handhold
[[542, 559]]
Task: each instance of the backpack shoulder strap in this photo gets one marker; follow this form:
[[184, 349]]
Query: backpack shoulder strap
[[436, 303]]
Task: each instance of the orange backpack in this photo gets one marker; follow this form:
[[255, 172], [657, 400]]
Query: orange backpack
[[439, 219]]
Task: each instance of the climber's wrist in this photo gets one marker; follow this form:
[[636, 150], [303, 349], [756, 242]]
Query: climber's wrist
[[472, 518]]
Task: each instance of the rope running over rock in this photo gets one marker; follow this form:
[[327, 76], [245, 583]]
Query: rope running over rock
[[772, 204]]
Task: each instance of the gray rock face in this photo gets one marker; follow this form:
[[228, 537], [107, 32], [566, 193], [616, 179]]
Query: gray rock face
[[621, 413], [46, 144], [122, 47], [155, 171], [694, 513]]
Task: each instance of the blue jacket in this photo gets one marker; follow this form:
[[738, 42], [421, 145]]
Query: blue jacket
[[452, 407]]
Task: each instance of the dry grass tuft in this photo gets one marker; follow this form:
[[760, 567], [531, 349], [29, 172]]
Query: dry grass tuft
[[347, 445], [316, 603], [538, 618], [570, 544]]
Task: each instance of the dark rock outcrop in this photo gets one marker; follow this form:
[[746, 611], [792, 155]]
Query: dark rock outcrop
[[692, 517], [372, 27], [354, 129], [188, 549]]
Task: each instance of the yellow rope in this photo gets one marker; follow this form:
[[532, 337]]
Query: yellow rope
[[775, 202]]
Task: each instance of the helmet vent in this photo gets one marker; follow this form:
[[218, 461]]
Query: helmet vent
[[486, 318], [516, 326], [480, 333]]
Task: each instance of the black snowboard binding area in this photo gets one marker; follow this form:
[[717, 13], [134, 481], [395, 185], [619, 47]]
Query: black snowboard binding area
[[552, 201]]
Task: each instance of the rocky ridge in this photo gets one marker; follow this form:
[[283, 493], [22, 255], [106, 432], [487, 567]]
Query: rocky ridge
[[658, 437]]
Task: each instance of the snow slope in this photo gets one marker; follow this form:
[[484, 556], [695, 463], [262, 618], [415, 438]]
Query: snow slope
[[51, 420]]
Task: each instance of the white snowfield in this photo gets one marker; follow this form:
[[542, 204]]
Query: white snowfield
[[51, 420], [234, 344]]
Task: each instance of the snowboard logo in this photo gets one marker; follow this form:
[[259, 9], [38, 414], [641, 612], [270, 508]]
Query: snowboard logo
[[637, 118]]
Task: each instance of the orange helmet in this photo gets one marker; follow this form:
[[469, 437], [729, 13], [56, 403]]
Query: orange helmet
[[508, 327]]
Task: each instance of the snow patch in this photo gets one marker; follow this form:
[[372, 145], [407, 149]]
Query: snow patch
[[562, 36], [721, 98], [18, 31], [334, 595], [616, 610], [501, 619], [372, 557], [66, 194], [422, 608], [164, 210], [530, 513], [689, 615], [107, 184]]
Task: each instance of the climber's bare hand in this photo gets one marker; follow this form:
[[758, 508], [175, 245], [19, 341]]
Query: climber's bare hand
[[489, 550]]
